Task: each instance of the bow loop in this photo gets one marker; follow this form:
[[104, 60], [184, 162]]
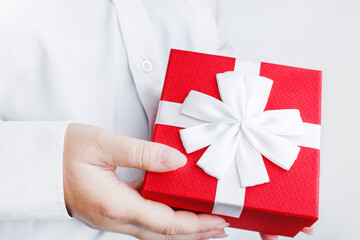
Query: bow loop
[[206, 108], [192, 137], [277, 149], [280, 122], [232, 90], [257, 94], [221, 151]]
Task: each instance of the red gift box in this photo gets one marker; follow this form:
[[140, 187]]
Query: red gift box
[[283, 206]]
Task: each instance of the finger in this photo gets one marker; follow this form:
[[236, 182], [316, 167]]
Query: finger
[[124, 205], [308, 230], [171, 222], [137, 184], [268, 236], [135, 153], [142, 233]]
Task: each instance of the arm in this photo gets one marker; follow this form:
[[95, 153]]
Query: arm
[[45, 164]]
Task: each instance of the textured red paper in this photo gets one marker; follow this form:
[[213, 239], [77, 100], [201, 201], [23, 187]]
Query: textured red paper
[[289, 201]]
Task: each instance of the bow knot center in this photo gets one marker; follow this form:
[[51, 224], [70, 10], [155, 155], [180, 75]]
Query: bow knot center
[[242, 123]]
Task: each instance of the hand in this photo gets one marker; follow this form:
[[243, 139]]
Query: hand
[[95, 196], [307, 230]]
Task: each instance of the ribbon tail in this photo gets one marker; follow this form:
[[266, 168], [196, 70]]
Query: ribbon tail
[[250, 165]]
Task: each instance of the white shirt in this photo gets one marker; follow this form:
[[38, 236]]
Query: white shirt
[[98, 62]]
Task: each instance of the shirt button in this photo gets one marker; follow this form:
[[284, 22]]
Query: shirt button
[[147, 66]]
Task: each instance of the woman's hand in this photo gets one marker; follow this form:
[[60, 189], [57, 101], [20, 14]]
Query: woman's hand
[[95, 196]]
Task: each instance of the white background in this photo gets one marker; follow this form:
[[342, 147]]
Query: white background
[[323, 35]]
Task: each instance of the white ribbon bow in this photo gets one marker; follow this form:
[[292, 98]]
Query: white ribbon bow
[[238, 129]]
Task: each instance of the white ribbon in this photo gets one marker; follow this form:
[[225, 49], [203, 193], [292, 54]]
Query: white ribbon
[[238, 129]]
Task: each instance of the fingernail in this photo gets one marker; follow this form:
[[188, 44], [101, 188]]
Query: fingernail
[[309, 233], [222, 226], [221, 235], [173, 159]]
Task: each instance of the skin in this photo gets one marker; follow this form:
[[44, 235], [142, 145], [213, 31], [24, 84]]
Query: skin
[[95, 196]]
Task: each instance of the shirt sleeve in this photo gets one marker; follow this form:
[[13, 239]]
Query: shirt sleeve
[[31, 170]]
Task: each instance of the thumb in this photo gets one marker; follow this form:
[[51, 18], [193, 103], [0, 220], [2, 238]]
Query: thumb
[[150, 156]]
